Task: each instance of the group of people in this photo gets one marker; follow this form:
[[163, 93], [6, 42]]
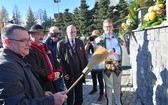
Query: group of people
[[33, 70]]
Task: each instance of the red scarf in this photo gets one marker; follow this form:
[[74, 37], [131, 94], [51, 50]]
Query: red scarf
[[42, 50]]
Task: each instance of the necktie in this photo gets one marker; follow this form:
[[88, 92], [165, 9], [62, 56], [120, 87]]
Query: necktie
[[73, 44]]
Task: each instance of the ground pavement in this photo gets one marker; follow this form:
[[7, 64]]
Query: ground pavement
[[129, 96]]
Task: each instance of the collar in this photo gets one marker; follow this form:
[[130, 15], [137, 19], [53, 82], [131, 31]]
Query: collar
[[109, 36], [70, 40], [16, 57]]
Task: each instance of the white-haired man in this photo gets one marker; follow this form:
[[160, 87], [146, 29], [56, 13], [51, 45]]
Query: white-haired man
[[72, 56]]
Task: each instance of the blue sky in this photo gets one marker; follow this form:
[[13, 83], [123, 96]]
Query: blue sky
[[48, 5]]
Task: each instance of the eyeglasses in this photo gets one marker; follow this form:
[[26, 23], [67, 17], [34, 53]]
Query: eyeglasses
[[21, 40], [108, 26]]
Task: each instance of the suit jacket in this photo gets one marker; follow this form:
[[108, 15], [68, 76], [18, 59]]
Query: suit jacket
[[18, 85], [65, 56]]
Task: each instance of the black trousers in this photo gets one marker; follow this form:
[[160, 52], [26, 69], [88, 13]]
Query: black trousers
[[75, 96], [98, 75]]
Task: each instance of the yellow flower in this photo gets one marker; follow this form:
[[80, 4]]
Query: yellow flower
[[146, 17], [123, 25], [160, 6], [152, 15]]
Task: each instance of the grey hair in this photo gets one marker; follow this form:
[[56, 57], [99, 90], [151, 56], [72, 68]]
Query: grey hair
[[53, 28], [7, 31], [70, 26]]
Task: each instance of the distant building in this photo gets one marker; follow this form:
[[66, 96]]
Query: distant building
[[56, 16]]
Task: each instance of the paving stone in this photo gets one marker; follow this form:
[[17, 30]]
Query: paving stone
[[129, 94]]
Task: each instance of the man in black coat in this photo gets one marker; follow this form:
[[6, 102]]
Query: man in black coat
[[18, 84], [43, 59], [73, 60]]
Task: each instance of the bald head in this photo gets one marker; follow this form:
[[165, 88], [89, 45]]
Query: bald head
[[54, 33], [54, 29]]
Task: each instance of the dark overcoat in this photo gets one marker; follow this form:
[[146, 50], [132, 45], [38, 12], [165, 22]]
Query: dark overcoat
[[65, 56], [37, 60], [18, 85]]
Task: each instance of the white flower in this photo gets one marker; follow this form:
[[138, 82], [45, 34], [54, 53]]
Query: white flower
[[154, 7], [151, 8], [128, 21]]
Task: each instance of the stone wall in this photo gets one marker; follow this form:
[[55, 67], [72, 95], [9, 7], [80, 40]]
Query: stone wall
[[149, 59]]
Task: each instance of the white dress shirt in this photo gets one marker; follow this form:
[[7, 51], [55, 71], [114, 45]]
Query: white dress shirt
[[112, 42], [70, 40]]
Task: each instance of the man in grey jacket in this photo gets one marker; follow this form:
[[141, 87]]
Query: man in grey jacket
[[18, 84]]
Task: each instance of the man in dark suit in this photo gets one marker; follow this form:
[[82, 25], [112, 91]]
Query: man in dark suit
[[73, 60]]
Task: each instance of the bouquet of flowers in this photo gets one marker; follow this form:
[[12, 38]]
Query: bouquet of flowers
[[155, 15], [131, 21]]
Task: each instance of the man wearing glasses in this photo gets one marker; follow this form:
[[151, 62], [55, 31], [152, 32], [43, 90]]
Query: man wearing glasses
[[18, 84], [112, 72]]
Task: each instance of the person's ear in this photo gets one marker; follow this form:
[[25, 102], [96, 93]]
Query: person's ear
[[6, 41]]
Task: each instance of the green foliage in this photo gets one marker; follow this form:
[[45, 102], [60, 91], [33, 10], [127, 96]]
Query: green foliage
[[144, 3], [119, 14], [103, 6], [63, 20], [30, 19], [94, 19], [83, 18], [161, 1], [122, 7], [130, 22], [59, 23], [67, 17]]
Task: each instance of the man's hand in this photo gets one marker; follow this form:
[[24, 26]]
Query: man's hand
[[48, 93], [111, 51], [60, 97]]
